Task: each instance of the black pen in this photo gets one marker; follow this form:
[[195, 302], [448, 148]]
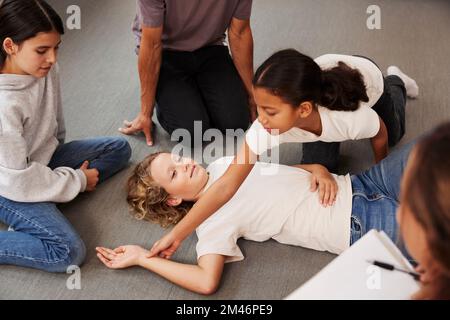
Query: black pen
[[391, 267]]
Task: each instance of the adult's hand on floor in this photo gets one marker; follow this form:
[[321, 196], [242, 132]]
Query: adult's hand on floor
[[92, 176], [141, 123], [165, 247]]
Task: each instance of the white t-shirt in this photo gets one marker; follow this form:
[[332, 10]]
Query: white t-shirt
[[337, 126], [275, 202]]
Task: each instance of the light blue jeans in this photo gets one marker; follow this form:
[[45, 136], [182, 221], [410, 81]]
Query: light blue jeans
[[376, 197], [42, 238]]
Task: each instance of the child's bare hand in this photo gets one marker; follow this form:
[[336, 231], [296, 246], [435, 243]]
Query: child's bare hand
[[91, 176], [165, 247], [322, 179], [122, 257]]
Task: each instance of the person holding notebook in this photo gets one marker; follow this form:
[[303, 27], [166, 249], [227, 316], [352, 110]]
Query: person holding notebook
[[424, 213]]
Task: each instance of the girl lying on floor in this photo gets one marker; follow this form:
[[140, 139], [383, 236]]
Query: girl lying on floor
[[278, 206]]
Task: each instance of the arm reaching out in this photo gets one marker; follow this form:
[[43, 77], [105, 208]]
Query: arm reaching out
[[214, 198], [203, 278]]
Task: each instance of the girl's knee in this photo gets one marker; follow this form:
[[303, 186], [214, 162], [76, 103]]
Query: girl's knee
[[123, 149], [77, 252], [123, 146], [68, 254]]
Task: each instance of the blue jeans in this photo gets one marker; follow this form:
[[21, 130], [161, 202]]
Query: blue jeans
[[376, 197], [43, 238]]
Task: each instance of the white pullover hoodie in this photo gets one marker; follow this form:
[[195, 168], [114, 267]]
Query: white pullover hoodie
[[31, 128]]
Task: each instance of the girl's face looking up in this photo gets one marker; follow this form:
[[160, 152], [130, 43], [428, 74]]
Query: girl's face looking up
[[181, 177], [35, 56]]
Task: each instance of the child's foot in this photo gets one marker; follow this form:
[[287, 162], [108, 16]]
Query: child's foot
[[412, 89]]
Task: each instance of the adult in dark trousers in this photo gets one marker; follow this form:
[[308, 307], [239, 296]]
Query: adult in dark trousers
[[186, 68]]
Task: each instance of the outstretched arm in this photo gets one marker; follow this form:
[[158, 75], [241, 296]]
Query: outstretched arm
[[214, 198], [203, 278]]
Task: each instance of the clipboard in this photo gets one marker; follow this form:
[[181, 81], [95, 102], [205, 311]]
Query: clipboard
[[351, 277]]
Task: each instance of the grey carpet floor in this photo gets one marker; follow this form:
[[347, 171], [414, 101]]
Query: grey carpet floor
[[101, 89]]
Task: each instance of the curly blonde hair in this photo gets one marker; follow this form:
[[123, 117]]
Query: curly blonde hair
[[148, 200]]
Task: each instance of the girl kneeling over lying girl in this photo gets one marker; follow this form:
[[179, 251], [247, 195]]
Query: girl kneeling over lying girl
[[275, 202], [319, 103]]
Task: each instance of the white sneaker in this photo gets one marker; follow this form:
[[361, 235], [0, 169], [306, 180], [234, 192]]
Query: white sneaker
[[11, 229], [412, 89]]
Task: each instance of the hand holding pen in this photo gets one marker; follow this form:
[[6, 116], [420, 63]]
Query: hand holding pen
[[391, 267]]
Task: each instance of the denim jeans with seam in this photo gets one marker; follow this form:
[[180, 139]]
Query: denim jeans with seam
[[40, 237]]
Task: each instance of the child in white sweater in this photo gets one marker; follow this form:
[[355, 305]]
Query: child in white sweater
[[37, 169]]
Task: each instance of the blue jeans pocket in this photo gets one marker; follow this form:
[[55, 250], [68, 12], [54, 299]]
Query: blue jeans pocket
[[373, 211]]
